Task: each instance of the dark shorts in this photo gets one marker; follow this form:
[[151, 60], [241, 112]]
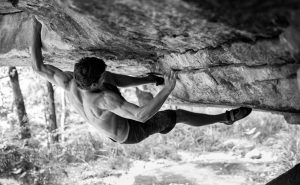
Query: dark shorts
[[162, 122]]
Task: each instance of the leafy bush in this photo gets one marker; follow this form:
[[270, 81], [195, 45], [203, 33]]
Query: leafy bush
[[119, 163], [291, 148], [25, 165]]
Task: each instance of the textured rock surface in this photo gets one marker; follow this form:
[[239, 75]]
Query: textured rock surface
[[227, 52]]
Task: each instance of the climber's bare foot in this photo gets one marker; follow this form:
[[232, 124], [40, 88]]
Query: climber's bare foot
[[237, 114]]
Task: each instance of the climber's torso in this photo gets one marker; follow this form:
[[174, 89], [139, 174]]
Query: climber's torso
[[108, 123]]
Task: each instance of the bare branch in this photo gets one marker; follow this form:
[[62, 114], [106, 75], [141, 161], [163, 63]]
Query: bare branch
[[2, 77]]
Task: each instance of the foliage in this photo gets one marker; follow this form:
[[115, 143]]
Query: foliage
[[22, 164], [291, 149]]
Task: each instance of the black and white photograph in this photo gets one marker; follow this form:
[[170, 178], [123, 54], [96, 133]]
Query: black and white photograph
[[149, 92]]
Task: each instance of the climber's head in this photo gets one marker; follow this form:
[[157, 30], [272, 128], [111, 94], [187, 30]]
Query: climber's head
[[88, 71]]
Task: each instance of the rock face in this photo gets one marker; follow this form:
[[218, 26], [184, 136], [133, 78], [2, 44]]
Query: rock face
[[227, 52]]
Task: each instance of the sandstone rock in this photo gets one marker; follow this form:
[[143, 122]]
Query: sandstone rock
[[227, 52]]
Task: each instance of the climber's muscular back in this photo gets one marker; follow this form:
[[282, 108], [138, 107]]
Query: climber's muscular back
[[87, 105]]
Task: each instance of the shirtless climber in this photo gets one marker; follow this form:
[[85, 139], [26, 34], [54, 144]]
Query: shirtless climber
[[93, 92]]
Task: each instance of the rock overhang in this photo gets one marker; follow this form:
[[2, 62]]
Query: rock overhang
[[227, 52]]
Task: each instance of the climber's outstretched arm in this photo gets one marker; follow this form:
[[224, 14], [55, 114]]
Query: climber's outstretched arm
[[128, 81], [114, 103], [51, 73]]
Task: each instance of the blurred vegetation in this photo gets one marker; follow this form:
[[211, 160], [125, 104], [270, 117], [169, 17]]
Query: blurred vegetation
[[37, 161]]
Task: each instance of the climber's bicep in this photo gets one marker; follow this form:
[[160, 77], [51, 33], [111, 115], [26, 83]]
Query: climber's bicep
[[55, 75], [117, 105]]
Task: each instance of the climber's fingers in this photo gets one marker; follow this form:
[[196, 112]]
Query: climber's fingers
[[170, 80], [176, 74], [171, 75]]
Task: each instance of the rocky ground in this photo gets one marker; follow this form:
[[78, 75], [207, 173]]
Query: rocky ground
[[256, 168]]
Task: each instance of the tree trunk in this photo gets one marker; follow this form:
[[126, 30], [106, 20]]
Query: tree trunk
[[19, 103], [52, 115]]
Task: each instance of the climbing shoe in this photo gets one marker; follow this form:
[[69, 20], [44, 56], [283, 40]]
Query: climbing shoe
[[237, 114]]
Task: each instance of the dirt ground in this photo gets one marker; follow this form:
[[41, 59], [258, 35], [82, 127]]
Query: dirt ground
[[207, 169]]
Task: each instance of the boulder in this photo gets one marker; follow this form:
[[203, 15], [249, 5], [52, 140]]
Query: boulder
[[228, 52]]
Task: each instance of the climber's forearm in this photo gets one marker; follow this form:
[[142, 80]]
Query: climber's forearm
[[36, 51], [127, 81]]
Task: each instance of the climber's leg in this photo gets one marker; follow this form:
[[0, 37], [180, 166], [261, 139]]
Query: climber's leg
[[162, 122], [197, 119]]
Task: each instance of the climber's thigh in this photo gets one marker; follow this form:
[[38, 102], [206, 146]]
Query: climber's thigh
[[162, 122]]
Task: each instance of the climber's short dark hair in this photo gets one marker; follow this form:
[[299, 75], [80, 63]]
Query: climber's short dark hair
[[88, 70]]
